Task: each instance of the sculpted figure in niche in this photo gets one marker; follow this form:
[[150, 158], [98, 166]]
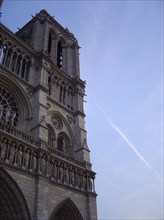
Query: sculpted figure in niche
[[67, 176], [84, 182], [72, 178], [19, 156], [26, 159], [12, 152], [7, 114], [61, 174], [90, 184], [78, 180], [3, 149], [55, 173], [34, 162], [43, 165], [13, 116], [48, 168], [1, 112]]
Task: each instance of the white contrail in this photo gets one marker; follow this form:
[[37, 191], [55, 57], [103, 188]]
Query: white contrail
[[124, 137], [130, 144]]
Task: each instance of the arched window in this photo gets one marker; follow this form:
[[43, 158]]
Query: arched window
[[60, 145], [13, 62], [49, 84], [59, 55], [63, 143], [49, 43], [51, 137], [23, 68], [3, 54], [18, 64], [27, 70], [7, 63]]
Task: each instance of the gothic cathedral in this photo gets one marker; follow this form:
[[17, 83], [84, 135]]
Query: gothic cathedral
[[45, 168]]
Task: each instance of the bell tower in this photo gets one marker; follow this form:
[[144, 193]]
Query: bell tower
[[43, 138]]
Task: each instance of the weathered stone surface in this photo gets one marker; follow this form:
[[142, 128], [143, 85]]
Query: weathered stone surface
[[45, 164]]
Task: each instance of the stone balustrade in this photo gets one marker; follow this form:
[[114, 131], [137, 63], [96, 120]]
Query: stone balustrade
[[21, 151]]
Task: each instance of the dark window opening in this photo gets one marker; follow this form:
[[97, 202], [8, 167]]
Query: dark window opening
[[59, 55], [49, 43], [60, 144]]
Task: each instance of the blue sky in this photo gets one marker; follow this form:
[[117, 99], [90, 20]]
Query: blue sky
[[121, 59]]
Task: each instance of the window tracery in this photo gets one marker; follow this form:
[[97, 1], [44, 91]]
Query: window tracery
[[14, 59], [59, 55], [9, 112]]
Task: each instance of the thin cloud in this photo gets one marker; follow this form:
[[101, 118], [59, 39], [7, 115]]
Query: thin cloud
[[126, 139]]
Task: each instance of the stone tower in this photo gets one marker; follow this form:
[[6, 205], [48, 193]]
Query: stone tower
[[45, 168]]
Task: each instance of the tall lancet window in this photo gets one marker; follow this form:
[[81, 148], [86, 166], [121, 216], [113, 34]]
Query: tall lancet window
[[49, 43], [59, 55]]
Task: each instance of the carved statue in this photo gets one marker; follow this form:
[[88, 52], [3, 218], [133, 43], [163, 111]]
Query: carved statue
[[26, 159], [12, 152], [7, 114], [67, 176], [43, 165], [72, 178], [84, 182], [34, 162], [1, 111], [13, 116], [55, 173], [78, 180], [90, 184], [48, 168], [19, 156], [61, 176], [3, 149]]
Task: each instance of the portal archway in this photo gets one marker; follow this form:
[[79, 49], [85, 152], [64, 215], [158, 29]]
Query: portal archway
[[13, 205], [66, 210]]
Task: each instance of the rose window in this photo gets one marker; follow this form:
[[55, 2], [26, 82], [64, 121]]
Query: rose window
[[56, 121], [8, 108]]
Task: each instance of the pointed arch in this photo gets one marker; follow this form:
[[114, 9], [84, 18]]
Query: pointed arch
[[12, 201], [66, 210], [70, 132], [51, 136], [61, 59], [20, 97]]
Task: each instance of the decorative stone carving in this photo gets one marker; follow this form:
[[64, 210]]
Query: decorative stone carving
[[8, 108], [3, 149], [34, 162], [72, 178], [12, 152], [26, 159], [61, 176], [67, 176], [70, 119], [43, 165], [57, 122], [48, 168], [1, 112], [19, 156], [55, 171], [7, 114]]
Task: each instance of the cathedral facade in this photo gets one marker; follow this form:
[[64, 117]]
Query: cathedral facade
[[45, 168]]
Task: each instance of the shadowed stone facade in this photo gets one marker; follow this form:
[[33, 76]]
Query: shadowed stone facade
[[45, 168]]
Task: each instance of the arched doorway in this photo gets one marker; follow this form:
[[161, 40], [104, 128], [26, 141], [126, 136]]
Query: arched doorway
[[66, 210], [13, 205]]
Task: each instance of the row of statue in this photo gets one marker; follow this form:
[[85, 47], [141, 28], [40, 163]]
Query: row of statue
[[7, 115], [28, 159]]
